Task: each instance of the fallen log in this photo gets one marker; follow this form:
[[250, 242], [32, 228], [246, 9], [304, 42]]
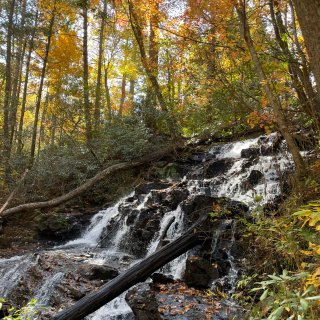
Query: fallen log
[[138, 273], [89, 183]]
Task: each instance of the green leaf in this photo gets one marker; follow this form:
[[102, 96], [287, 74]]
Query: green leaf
[[304, 304], [274, 277], [314, 298], [276, 314], [264, 295]]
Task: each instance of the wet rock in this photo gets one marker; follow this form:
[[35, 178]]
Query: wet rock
[[249, 163], [97, 272], [250, 153], [145, 188], [197, 205], [200, 273], [214, 168], [169, 198], [269, 145], [58, 227], [76, 293], [146, 225], [142, 301], [161, 278], [255, 177]]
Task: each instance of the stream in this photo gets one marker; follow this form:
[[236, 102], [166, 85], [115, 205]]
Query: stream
[[242, 177]]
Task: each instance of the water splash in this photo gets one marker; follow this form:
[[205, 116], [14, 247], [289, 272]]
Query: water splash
[[11, 271], [46, 291]]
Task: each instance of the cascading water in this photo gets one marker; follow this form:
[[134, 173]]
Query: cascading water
[[132, 229]]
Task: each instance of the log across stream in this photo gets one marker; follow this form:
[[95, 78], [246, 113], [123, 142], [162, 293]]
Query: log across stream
[[138, 273]]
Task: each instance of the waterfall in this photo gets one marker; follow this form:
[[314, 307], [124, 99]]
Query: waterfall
[[137, 221], [11, 271], [45, 292]]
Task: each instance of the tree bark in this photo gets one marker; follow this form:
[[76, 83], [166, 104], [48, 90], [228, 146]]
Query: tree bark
[[99, 71], [152, 76], [21, 49], [108, 96], [39, 96], [132, 90], [8, 88], [25, 88], [308, 12], [312, 94], [298, 79], [87, 113], [89, 183], [138, 273], [123, 93], [273, 100]]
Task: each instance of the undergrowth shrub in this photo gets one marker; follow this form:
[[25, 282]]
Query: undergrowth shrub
[[283, 278]]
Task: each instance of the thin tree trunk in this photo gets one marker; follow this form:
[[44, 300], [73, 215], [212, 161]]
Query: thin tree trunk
[[273, 100], [39, 96], [152, 76], [298, 79], [18, 72], [25, 88], [43, 118], [53, 130], [99, 71], [132, 90], [123, 93], [107, 91], [8, 88], [86, 98]]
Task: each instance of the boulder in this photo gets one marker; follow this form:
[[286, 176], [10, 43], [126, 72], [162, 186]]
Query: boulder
[[251, 152], [76, 293], [161, 278], [169, 198], [145, 188], [200, 273], [196, 205], [143, 302], [270, 144], [214, 168], [57, 226], [255, 177], [97, 272]]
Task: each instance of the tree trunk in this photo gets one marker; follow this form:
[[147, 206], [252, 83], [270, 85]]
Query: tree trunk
[[132, 90], [53, 130], [298, 80], [123, 93], [152, 76], [99, 71], [43, 119], [308, 12], [25, 88], [138, 273], [22, 44], [87, 113], [108, 97], [304, 63], [8, 88], [273, 100], [39, 96]]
